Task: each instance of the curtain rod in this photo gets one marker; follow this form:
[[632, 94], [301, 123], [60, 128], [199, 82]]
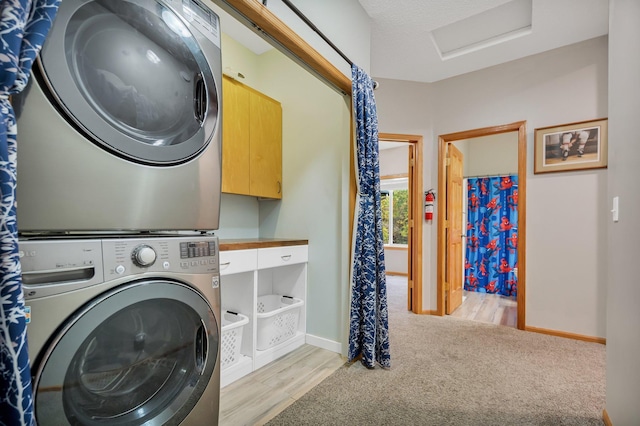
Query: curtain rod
[[492, 175], [320, 33], [316, 29]]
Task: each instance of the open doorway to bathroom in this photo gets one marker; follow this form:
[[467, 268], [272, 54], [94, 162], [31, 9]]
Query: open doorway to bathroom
[[487, 275]]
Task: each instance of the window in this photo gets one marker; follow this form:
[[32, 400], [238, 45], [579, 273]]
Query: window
[[395, 211]]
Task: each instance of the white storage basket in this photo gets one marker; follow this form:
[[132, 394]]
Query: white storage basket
[[278, 318], [232, 326]]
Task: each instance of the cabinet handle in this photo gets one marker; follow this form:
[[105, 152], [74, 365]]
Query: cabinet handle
[[286, 257], [224, 265], [279, 187]]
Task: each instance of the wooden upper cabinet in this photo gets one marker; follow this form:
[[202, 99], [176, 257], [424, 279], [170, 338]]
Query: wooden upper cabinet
[[235, 137], [251, 142], [265, 146]]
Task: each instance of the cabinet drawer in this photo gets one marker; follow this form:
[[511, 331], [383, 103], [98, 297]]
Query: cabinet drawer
[[281, 256], [234, 261]]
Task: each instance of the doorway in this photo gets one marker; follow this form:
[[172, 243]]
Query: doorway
[[414, 222], [449, 282]]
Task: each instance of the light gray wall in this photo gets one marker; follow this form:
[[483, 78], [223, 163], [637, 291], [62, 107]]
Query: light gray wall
[[394, 161], [315, 176], [491, 155], [566, 286], [463, 147], [396, 261], [623, 295], [415, 117], [239, 217]]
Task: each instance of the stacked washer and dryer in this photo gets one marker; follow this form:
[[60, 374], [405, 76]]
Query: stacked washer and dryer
[[119, 168]]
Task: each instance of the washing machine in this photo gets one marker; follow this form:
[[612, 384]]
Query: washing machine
[[120, 127], [123, 330]]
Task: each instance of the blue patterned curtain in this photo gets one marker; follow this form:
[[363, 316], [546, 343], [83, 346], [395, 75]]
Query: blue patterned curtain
[[24, 26], [492, 235], [369, 327]]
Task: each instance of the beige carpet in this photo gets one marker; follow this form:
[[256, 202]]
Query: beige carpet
[[449, 371]]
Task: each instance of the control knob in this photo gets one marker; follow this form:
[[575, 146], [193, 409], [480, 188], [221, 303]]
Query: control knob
[[143, 255]]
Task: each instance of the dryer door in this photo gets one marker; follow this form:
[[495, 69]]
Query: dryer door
[[139, 354], [137, 77]]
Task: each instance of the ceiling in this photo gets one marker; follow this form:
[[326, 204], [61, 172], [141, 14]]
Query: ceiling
[[430, 40]]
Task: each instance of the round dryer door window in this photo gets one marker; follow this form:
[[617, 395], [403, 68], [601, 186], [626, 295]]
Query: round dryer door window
[[136, 77], [140, 354]]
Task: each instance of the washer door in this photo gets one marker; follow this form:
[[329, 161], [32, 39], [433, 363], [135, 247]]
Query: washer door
[[141, 354], [135, 77]]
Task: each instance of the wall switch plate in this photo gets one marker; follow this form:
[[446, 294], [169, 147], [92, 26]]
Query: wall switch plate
[[615, 210]]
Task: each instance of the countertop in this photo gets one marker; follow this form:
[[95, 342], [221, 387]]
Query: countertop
[[252, 243]]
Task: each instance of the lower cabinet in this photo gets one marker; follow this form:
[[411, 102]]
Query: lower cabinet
[[267, 286]]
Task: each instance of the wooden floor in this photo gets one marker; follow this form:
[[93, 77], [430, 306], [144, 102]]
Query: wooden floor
[[491, 308], [258, 397]]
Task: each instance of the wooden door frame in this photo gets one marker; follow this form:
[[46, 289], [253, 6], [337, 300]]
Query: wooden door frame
[[414, 255], [265, 23], [443, 143]]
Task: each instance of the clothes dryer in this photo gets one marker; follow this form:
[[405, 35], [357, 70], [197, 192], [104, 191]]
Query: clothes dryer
[[119, 130], [123, 331]]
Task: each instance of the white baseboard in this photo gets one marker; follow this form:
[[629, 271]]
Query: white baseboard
[[323, 343]]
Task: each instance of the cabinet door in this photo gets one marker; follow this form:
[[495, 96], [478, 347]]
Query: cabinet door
[[265, 146], [235, 137]]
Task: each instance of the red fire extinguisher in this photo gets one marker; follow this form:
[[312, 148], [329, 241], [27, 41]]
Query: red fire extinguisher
[[429, 198]]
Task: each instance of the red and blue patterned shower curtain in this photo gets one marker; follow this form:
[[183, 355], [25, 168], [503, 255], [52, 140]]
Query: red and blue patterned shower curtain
[[492, 235], [24, 25]]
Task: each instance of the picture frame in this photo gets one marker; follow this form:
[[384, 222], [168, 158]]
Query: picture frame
[[570, 147]]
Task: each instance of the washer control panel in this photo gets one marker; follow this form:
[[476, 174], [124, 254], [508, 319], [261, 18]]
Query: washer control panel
[[54, 266], [126, 256], [192, 249], [144, 255], [57, 266]]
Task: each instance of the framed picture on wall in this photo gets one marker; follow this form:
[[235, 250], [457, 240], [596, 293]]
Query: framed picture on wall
[[573, 146]]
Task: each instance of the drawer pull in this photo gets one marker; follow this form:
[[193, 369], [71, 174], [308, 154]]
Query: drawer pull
[[286, 257], [225, 265]]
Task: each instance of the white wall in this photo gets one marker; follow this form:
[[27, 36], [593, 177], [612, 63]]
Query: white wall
[[623, 312], [566, 286]]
